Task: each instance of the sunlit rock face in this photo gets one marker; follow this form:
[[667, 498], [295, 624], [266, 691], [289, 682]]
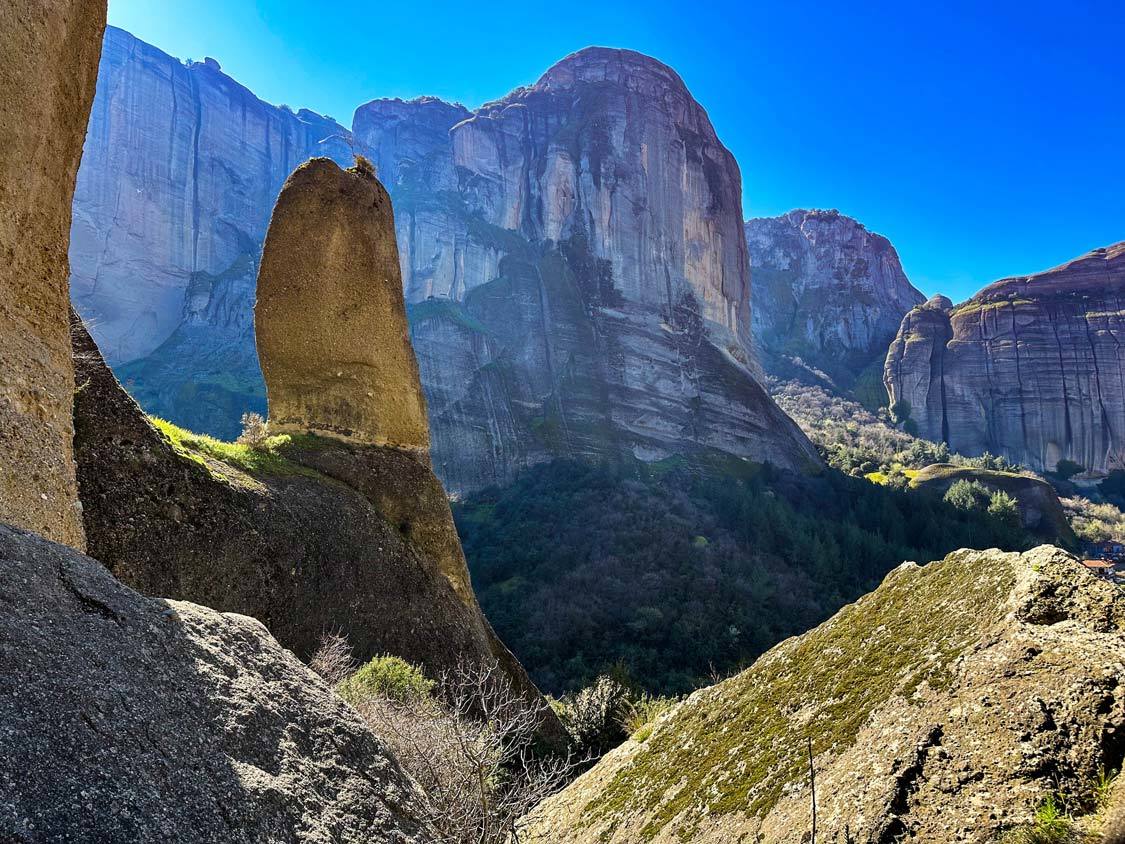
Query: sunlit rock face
[[826, 290], [1030, 367], [179, 175], [572, 257], [576, 271]]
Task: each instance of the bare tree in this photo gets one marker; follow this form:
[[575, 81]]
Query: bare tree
[[470, 750]]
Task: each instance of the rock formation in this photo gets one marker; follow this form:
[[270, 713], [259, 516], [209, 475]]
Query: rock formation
[[826, 290], [572, 258], [1040, 509], [331, 323], [124, 718], [1029, 368], [318, 535], [944, 706], [180, 172], [47, 82]]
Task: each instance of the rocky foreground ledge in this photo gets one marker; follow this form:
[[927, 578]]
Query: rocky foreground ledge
[[947, 705], [127, 718]]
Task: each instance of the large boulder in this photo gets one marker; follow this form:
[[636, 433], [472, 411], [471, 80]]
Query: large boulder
[[1030, 367], [947, 705], [1040, 509], [125, 718], [50, 50], [330, 315]]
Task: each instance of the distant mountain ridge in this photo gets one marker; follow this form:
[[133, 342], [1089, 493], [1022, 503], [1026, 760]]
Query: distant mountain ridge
[[572, 255]]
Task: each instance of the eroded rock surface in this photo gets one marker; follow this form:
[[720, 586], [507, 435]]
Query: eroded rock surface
[[330, 318], [1030, 368], [180, 172], [134, 719], [50, 63], [826, 290], [944, 706], [324, 536], [572, 258]]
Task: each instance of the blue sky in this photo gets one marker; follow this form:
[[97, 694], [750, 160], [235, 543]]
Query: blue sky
[[984, 139]]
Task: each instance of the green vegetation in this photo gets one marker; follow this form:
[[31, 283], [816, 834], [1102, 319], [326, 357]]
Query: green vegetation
[[581, 568], [262, 458], [879, 647], [387, 677]]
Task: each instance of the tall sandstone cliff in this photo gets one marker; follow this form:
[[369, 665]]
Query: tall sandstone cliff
[[46, 85], [179, 175], [826, 290], [572, 257], [1030, 367]]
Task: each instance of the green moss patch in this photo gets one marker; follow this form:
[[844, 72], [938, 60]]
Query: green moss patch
[[735, 747]]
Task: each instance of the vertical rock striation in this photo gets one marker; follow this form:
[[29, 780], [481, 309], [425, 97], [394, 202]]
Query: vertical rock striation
[[46, 84], [1030, 367], [577, 276], [572, 257], [826, 290], [181, 169]]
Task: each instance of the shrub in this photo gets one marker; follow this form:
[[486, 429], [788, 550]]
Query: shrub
[[900, 410], [967, 495], [595, 716], [255, 430], [1003, 507], [643, 712], [1067, 469], [386, 677], [333, 659], [470, 751], [364, 167]]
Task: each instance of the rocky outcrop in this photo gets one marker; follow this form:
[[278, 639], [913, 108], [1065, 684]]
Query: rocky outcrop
[[312, 535], [1040, 509], [572, 258], [331, 322], [944, 706], [826, 290], [50, 60], [134, 719], [179, 175], [577, 276], [1029, 368]]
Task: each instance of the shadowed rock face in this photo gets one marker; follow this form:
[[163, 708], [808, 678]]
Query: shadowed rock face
[[50, 62], [329, 536], [944, 706], [133, 719], [180, 172], [826, 290], [1030, 368], [331, 323], [572, 258]]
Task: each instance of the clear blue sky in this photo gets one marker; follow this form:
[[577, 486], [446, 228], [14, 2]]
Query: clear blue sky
[[984, 139]]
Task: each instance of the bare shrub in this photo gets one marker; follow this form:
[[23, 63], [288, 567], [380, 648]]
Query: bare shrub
[[470, 750], [332, 659], [255, 430]]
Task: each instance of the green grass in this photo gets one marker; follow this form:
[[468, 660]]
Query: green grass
[[264, 459]]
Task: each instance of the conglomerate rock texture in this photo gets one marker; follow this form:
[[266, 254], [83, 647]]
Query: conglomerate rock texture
[[179, 175], [50, 51], [330, 319], [324, 537], [1030, 368], [826, 290], [127, 718], [946, 705], [572, 258]]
